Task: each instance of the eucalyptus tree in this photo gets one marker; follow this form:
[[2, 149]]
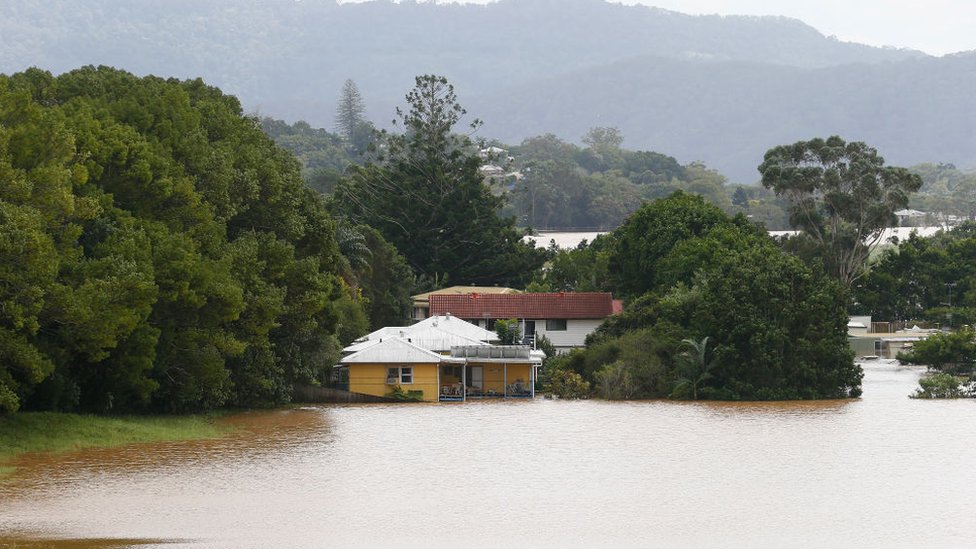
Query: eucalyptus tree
[[841, 196]]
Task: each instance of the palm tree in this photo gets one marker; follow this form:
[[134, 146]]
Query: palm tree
[[693, 368]]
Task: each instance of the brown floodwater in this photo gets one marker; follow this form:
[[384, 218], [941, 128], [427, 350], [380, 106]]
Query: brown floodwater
[[881, 471]]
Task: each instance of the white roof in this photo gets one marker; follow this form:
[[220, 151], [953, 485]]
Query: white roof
[[456, 326], [361, 345], [433, 338], [437, 333], [396, 350]]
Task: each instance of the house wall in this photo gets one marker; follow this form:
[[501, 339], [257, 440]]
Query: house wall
[[864, 346], [370, 379], [573, 336]]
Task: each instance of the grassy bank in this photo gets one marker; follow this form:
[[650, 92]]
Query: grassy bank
[[25, 432]]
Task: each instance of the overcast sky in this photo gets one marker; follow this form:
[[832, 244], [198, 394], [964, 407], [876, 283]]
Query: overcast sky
[[936, 27]]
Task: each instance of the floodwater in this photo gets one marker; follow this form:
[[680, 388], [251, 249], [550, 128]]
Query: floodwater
[[881, 471]]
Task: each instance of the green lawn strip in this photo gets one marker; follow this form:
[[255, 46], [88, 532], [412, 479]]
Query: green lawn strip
[[26, 432]]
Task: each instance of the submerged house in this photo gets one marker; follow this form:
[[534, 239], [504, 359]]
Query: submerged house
[[440, 359]]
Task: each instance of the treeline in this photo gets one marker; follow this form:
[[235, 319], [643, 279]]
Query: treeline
[[947, 196], [547, 182], [158, 252], [923, 279], [715, 310]]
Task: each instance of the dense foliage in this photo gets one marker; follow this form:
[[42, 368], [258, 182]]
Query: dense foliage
[[427, 197], [157, 250], [923, 278], [948, 194], [558, 185], [949, 352], [841, 197], [324, 156], [722, 313]]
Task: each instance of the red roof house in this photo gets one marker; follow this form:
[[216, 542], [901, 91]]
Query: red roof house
[[565, 318]]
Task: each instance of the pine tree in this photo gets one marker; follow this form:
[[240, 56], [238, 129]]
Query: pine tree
[[350, 119], [428, 198]]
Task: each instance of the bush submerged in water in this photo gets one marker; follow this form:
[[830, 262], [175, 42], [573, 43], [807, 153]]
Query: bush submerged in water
[[944, 386]]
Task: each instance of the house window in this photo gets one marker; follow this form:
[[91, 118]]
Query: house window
[[556, 325], [402, 375]]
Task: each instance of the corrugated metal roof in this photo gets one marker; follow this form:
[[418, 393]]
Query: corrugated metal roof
[[454, 325], [530, 306], [398, 351], [437, 333]]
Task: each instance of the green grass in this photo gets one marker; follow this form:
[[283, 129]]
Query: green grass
[[25, 432]]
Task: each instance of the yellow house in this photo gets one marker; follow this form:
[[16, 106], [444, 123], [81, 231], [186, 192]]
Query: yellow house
[[469, 371], [391, 362]]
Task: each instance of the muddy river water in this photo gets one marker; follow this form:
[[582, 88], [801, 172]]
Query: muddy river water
[[880, 471]]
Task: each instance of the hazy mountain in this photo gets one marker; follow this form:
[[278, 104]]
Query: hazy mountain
[[719, 89], [728, 114]]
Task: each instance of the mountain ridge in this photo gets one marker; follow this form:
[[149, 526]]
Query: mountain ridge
[[289, 59]]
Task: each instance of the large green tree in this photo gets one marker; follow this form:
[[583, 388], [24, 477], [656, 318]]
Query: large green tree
[[159, 251], [841, 196], [650, 234], [427, 197], [776, 327]]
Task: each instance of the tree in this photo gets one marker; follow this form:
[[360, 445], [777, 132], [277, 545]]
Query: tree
[[740, 198], [583, 269], [923, 278], [841, 196], [350, 118], [693, 368], [951, 353], [651, 232], [427, 197], [386, 282], [603, 149], [509, 332], [943, 386], [776, 327], [157, 250]]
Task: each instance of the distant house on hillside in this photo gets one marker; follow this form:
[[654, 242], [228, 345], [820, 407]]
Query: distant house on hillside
[[565, 318]]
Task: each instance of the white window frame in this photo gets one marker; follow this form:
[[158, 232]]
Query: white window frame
[[551, 328], [399, 375]]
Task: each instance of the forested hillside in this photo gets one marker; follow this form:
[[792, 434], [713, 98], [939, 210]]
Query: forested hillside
[[716, 89], [728, 114], [157, 251]]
